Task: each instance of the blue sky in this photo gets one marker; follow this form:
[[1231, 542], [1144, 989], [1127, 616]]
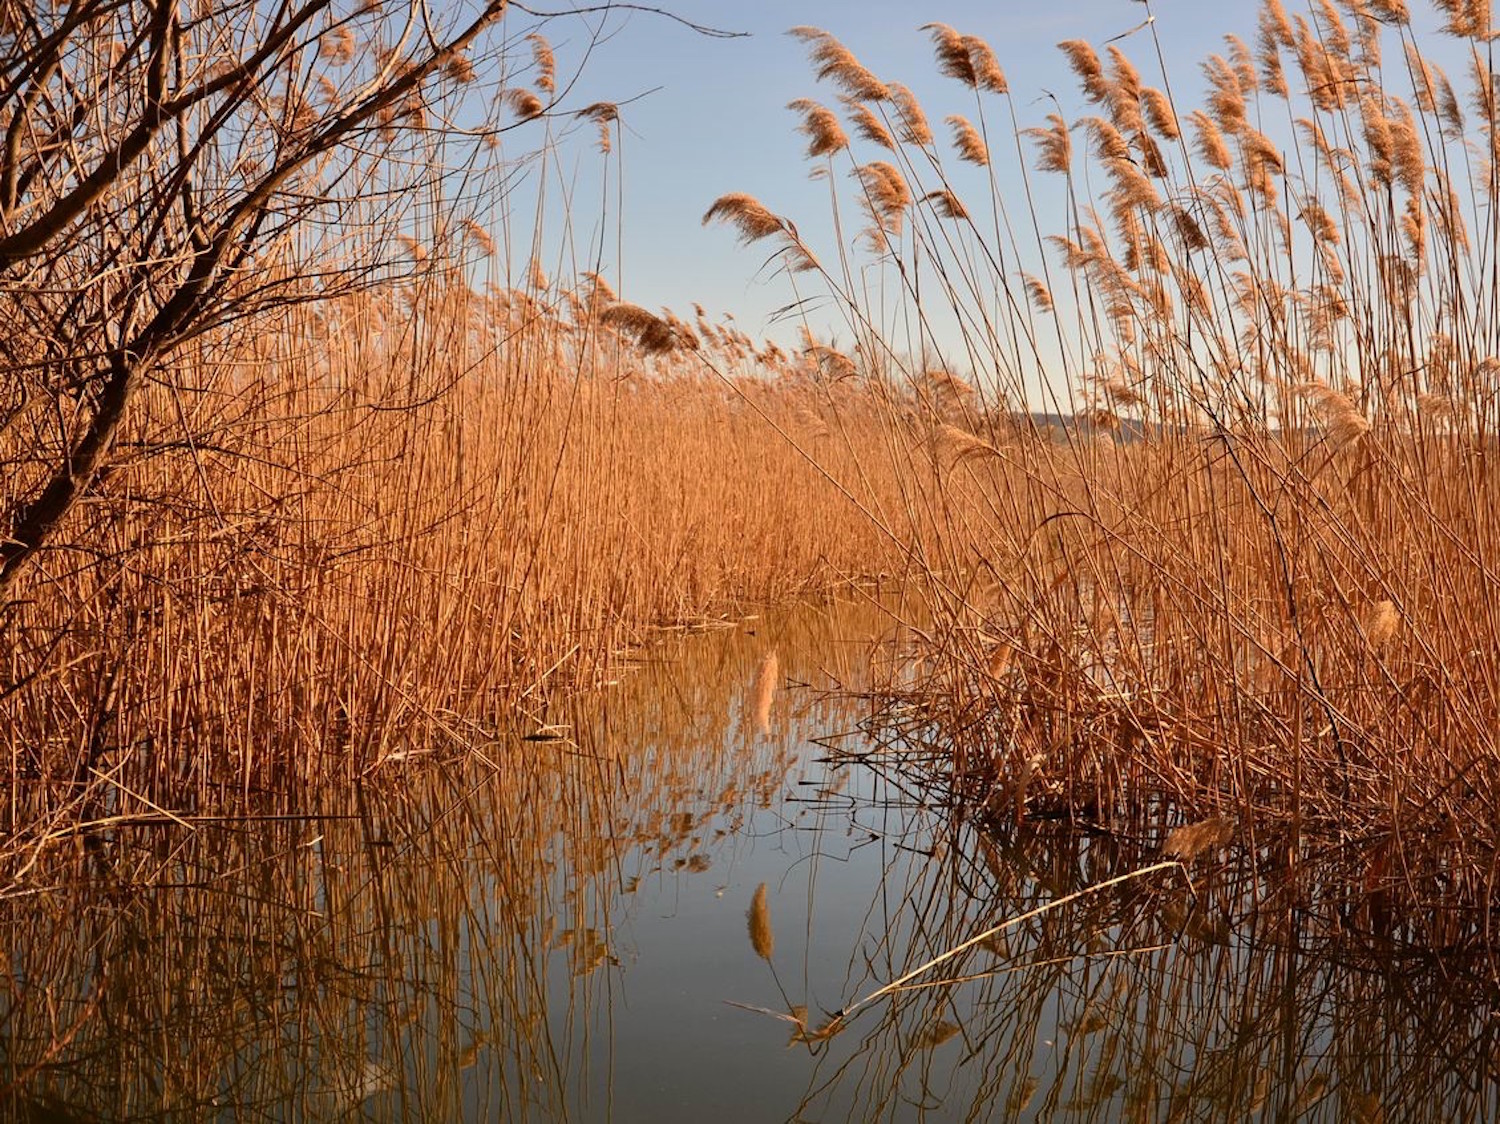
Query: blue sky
[[708, 116], [705, 116]]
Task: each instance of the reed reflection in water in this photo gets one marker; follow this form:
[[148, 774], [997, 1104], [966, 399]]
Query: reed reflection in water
[[578, 932]]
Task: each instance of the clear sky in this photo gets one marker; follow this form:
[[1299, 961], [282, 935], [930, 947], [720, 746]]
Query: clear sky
[[707, 116], [704, 116]]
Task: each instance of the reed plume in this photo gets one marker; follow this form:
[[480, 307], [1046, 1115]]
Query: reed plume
[[1087, 67], [837, 63], [961, 445], [1381, 621], [604, 114], [1191, 840], [987, 72], [654, 335], [968, 142], [1341, 418], [953, 56], [536, 276], [758, 921], [1209, 141], [821, 126], [755, 222], [967, 58], [911, 121], [763, 693], [545, 62], [886, 196], [523, 102], [947, 204], [1040, 295], [1466, 19], [479, 236], [1159, 112], [1054, 144], [747, 214], [868, 126]]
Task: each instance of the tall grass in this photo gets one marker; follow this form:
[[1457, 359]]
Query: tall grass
[[1250, 575], [403, 521]]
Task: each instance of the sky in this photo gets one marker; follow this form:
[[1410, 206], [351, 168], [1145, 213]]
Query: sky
[[703, 116], [707, 115]]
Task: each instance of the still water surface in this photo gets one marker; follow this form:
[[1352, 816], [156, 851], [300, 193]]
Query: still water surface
[[566, 930]]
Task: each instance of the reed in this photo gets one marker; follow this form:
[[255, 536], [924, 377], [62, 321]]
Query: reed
[[1205, 515], [404, 518]]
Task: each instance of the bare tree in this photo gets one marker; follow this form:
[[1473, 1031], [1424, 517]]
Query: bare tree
[[168, 166]]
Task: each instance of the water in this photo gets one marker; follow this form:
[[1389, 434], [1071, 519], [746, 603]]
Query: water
[[561, 932]]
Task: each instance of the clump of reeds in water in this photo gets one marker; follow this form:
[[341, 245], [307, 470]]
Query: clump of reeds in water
[[1240, 567], [431, 509]]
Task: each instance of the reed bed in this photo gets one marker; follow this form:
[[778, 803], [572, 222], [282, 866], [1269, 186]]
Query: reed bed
[[1205, 504], [402, 521]]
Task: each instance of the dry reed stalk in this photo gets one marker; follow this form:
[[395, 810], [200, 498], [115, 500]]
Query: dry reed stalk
[[905, 982]]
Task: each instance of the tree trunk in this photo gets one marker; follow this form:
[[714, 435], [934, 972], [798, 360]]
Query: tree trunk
[[35, 521]]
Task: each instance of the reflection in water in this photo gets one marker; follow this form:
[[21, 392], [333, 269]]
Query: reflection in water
[[654, 918]]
